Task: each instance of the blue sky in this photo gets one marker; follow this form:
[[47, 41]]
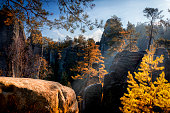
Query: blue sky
[[127, 10]]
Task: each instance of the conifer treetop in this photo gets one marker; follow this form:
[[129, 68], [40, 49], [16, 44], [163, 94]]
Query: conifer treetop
[[145, 95]]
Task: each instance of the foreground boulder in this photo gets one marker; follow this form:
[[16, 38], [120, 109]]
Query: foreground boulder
[[25, 95]]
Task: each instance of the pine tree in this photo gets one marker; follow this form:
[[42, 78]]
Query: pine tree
[[87, 67], [152, 14], [145, 95], [34, 13]]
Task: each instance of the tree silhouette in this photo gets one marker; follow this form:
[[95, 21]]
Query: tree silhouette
[[152, 14], [32, 12]]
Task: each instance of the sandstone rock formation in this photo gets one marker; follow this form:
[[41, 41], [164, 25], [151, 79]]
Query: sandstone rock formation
[[92, 99], [167, 69], [8, 33], [108, 34], [111, 97], [67, 61], [115, 83], [124, 62], [25, 95], [162, 51], [80, 85]]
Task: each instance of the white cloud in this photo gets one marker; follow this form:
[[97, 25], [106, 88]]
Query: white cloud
[[57, 34], [54, 34], [96, 35], [60, 35], [168, 3]]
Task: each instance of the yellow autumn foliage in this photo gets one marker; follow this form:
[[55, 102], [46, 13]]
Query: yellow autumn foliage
[[85, 68], [145, 95]]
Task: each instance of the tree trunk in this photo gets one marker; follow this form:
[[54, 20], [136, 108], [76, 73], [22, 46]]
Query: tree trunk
[[150, 36], [13, 70]]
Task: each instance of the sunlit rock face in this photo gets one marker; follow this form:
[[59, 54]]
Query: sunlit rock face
[[18, 95]]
